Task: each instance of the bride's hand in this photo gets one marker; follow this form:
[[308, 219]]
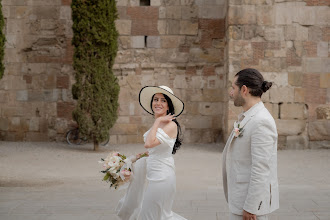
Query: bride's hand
[[145, 154], [166, 118]]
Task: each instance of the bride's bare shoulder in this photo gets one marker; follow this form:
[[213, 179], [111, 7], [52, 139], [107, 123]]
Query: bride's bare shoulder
[[170, 129]]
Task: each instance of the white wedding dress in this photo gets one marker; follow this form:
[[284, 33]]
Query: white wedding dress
[[151, 192]]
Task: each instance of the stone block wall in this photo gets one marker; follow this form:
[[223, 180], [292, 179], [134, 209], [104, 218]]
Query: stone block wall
[[35, 94], [180, 44], [288, 41], [193, 46]]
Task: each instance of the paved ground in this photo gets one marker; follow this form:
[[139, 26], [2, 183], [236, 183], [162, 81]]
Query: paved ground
[[52, 181]]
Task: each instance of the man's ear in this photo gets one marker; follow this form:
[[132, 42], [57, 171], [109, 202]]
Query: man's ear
[[245, 90]]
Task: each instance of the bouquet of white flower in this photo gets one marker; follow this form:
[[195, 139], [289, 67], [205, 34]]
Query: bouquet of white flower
[[118, 168]]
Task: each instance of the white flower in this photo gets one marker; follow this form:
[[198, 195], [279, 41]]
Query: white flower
[[114, 161], [115, 175], [238, 131]]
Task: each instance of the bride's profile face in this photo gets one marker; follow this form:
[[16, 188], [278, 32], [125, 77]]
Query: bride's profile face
[[159, 105]]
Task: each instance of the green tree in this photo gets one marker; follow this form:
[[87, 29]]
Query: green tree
[[95, 48], [2, 42]]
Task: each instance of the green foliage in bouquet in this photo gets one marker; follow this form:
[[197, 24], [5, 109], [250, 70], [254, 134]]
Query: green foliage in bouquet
[[2, 42], [95, 48]]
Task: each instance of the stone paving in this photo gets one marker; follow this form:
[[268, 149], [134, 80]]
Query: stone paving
[[50, 181]]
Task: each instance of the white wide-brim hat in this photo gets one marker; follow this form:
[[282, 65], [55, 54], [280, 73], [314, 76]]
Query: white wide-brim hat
[[147, 92]]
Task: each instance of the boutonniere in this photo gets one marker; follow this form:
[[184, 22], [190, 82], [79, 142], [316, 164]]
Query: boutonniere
[[238, 131]]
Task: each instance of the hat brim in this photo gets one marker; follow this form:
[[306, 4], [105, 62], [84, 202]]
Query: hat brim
[[146, 94]]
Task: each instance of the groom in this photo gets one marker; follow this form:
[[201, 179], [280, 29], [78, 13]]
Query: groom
[[250, 155]]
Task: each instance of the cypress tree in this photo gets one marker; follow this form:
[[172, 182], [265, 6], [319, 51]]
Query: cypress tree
[[95, 48], [2, 42]]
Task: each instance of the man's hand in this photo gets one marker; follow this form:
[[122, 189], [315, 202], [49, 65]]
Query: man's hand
[[248, 216]]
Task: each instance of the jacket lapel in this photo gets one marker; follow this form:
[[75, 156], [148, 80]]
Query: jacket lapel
[[250, 115]]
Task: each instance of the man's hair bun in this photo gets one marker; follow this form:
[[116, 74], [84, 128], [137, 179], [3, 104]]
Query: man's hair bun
[[266, 85]]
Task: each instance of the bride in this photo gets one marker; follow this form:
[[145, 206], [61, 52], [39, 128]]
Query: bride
[[151, 192]]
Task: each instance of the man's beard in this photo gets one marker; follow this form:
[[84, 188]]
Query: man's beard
[[239, 101]]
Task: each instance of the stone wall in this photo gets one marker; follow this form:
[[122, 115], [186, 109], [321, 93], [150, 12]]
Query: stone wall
[[35, 94], [178, 43], [193, 46], [288, 41]]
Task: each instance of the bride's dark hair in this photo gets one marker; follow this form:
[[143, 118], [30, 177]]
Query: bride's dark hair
[[178, 140]]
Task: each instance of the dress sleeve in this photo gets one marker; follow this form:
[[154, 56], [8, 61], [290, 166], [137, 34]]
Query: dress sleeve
[[164, 138]]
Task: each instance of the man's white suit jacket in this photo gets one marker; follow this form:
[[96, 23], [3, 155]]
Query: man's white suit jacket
[[250, 164]]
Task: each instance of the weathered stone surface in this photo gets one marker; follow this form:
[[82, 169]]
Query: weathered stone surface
[[242, 15], [281, 142], [213, 12], [128, 139], [188, 28], [180, 82], [144, 27], [22, 95], [235, 32], [171, 56], [322, 49], [286, 41], [171, 41], [161, 27], [325, 80], [124, 129], [313, 92], [173, 27], [274, 34], [299, 94], [124, 27], [64, 110], [278, 79], [138, 13], [198, 122], [124, 56], [290, 127], [162, 12], [316, 65], [281, 94], [122, 2], [155, 2], [134, 3], [323, 112], [210, 108], [290, 32], [273, 109], [304, 15], [210, 95], [293, 111], [46, 12], [319, 130], [206, 55], [34, 124], [65, 12], [319, 144], [153, 42], [283, 15], [322, 16], [189, 12], [296, 142], [4, 124], [295, 78], [173, 12], [265, 15]]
